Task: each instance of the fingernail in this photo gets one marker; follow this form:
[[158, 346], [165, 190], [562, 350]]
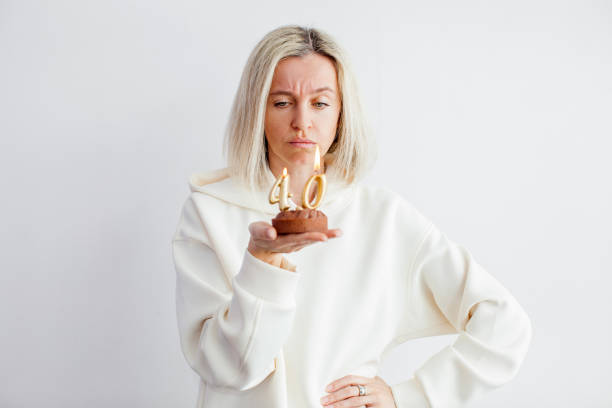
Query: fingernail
[[270, 234]]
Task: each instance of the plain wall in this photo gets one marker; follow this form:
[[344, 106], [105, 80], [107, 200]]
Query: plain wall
[[493, 118]]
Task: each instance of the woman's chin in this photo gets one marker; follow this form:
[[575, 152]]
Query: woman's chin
[[302, 158]]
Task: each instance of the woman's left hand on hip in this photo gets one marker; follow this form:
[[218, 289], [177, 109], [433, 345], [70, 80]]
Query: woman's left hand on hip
[[345, 393]]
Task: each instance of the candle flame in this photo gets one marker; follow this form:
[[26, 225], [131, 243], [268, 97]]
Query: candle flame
[[317, 162], [284, 172]]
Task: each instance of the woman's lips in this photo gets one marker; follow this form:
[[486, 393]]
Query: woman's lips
[[302, 144]]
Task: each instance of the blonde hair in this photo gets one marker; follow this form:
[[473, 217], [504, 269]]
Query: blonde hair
[[352, 149]]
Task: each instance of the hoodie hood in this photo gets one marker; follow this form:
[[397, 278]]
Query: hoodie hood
[[220, 184]]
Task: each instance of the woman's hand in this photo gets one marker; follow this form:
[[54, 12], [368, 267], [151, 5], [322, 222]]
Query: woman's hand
[[268, 246], [345, 393]]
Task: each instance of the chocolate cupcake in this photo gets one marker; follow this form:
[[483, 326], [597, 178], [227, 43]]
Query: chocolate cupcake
[[298, 221]]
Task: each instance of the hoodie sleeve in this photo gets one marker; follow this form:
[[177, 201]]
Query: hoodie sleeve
[[230, 336], [449, 287]]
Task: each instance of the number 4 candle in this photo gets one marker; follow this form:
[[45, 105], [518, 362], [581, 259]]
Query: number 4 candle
[[284, 194]]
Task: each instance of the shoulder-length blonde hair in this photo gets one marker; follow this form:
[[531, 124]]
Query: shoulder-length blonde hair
[[352, 149]]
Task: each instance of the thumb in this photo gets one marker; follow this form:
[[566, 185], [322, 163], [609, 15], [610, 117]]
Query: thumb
[[262, 230]]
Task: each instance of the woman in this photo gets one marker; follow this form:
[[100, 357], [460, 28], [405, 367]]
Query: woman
[[276, 321]]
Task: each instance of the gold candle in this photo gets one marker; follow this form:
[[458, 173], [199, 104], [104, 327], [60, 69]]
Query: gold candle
[[282, 198], [321, 184]]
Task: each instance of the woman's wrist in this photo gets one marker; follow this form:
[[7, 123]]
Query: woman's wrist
[[273, 258]]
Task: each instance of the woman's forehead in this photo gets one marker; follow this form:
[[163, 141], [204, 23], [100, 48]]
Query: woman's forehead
[[309, 74]]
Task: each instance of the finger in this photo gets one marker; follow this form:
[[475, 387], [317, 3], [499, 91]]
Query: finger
[[271, 233], [334, 233], [348, 397], [262, 230], [340, 394], [301, 237], [356, 402], [347, 380], [313, 236], [284, 247], [289, 242]]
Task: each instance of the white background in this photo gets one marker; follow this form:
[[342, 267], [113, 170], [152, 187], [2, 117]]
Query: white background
[[493, 118]]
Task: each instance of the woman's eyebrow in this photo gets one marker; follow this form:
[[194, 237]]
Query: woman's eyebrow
[[325, 88]]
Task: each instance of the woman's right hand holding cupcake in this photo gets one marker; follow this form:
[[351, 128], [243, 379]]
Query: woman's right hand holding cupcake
[[266, 245]]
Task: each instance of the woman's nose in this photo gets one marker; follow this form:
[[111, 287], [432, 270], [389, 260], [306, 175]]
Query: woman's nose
[[301, 118]]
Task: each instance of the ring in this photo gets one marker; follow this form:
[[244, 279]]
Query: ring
[[362, 390]]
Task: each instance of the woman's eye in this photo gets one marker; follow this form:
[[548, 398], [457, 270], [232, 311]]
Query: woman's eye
[[281, 104], [320, 104]]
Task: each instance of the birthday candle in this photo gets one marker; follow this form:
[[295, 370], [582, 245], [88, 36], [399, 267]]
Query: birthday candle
[[321, 184], [282, 198]]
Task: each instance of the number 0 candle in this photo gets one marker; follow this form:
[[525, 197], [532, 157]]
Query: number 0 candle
[[321, 184]]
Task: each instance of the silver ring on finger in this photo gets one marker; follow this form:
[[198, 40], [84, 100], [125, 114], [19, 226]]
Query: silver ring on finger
[[362, 390]]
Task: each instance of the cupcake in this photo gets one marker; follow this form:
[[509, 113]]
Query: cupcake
[[298, 221]]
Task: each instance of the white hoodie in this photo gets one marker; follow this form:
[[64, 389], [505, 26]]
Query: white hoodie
[[262, 336]]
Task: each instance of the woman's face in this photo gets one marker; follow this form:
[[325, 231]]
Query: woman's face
[[302, 110]]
